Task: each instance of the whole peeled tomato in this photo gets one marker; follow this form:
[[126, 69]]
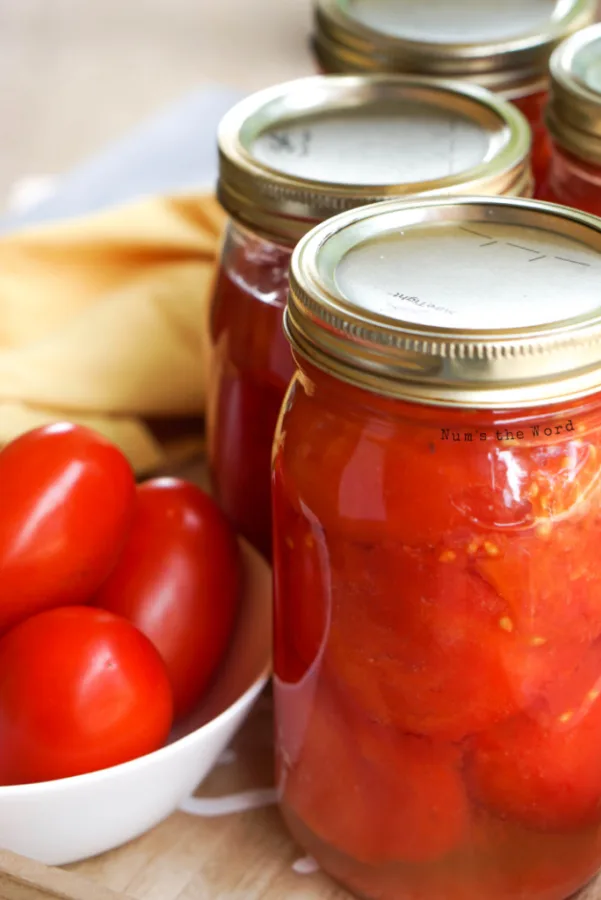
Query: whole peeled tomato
[[66, 504], [378, 796], [545, 777], [178, 581], [80, 690]]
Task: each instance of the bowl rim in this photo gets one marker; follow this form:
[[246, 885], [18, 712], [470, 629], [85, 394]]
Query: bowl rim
[[14, 791], [246, 698]]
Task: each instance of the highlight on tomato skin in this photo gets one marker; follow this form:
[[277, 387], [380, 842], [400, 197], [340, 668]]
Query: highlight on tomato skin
[[68, 499], [80, 690], [179, 580]]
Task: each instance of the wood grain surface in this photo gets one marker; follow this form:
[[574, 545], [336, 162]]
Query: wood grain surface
[[244, 856]]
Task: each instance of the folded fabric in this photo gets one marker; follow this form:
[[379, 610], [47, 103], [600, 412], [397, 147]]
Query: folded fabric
[[103, 321]]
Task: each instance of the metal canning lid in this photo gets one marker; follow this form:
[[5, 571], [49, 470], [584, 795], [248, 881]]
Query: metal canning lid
[[574, 110], [296, 154], [504, 46], [471, 302]]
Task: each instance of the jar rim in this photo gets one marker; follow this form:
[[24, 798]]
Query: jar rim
[[283, 205], [574, 109], [416, 356], [512, 66]]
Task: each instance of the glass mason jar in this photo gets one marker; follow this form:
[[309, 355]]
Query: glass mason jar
[[291, 157], [574, 122], [437, 517], [504, 46]]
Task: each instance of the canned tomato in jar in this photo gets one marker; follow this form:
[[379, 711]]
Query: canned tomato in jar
[[503, 46], [291, 157], [437, 517], [574, 122]]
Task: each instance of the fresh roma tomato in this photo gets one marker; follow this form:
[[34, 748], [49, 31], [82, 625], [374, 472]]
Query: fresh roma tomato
[[66, 504], [80, 690], [178, 581], [546, 778]]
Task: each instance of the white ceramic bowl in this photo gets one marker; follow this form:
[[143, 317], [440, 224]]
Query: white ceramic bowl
[[60, 822]]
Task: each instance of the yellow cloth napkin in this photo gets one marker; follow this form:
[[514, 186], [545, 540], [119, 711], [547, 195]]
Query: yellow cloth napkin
[[103, 321]]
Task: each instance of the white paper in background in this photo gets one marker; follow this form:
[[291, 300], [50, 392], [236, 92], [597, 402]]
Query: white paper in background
[[171, 153]]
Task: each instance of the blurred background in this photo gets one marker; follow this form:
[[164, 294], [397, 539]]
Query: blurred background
[[78, 74]]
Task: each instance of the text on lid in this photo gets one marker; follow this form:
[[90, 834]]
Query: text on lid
[[470, 301], [409, 143], [298, 153], [473, 276]]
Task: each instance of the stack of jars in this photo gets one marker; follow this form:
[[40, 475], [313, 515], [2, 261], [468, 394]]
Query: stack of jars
[[573, 119], [404, 416]]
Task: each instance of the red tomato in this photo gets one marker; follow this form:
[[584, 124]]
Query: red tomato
[[371, 478], [67, 500], [424, 627], [375, 794], [80, 690], [418, 791], [548, 583], [324, 783], [549, 778], [178, 581]]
